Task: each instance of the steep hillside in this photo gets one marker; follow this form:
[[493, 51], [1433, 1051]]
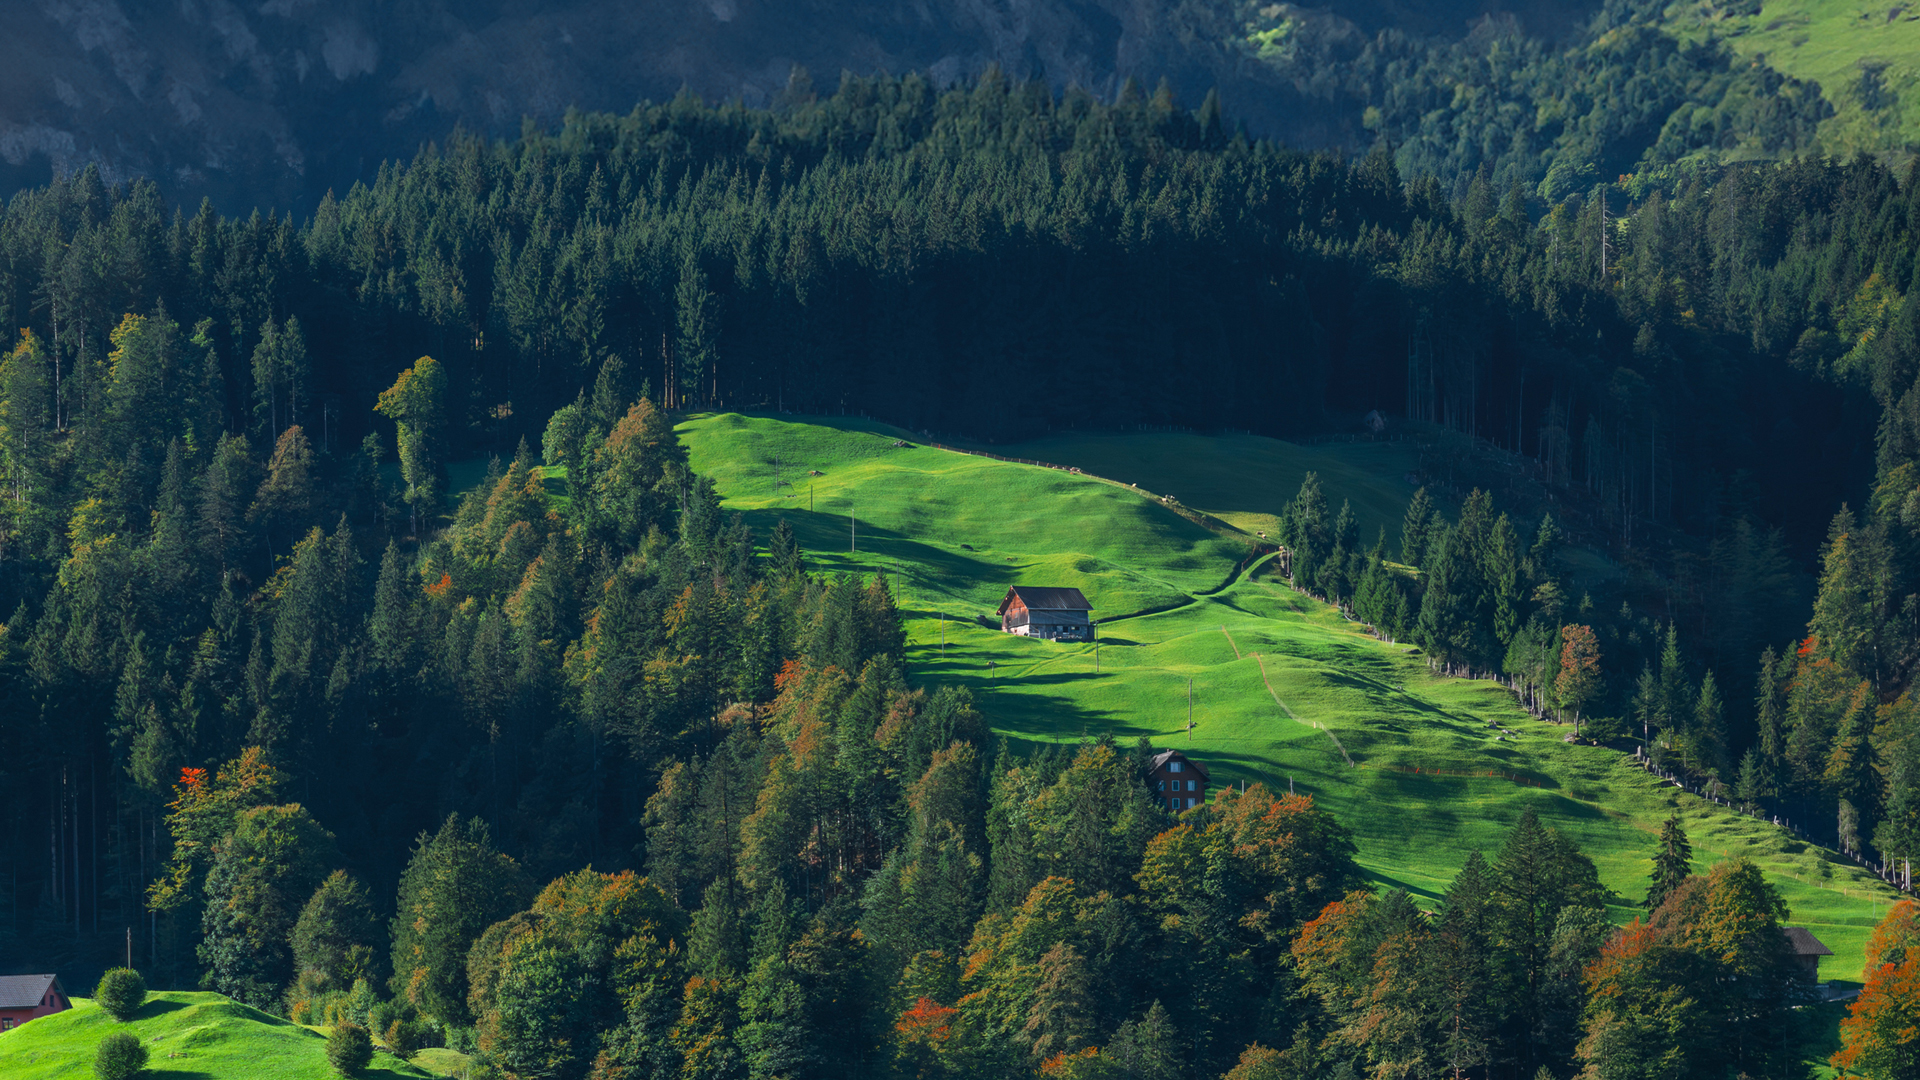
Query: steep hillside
[[205, 1036], [1283, 689], [272, 104], [1862, 55]]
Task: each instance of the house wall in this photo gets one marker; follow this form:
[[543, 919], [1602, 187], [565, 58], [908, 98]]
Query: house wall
[[1160, 782], [50, 1004]]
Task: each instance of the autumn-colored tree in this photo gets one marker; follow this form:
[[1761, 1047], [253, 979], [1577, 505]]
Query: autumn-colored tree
[[1881, 1033], [1579, 678], [202, 811]]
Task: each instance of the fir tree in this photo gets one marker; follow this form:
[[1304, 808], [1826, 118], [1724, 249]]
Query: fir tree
[[1672, 863]]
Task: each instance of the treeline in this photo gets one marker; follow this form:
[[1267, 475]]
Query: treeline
[[1829, 739], [841, 254]]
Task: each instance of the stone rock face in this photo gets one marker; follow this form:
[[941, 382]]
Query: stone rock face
[[272, 102]]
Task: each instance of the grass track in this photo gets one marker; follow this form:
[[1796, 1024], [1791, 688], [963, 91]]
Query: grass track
[[1433, 778], [194, 1035]]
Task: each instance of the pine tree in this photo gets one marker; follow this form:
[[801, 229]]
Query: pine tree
[[1502, 570], [1707, 737], [1416, 529], [1672, 863], [454, 888]]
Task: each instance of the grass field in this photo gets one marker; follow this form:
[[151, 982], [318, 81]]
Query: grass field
[[1284, 690], [1834, 43], [196, 1035]]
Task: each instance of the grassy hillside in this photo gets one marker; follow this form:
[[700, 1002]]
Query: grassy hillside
[[1284, 689], [187, 1035], [1866, 58]]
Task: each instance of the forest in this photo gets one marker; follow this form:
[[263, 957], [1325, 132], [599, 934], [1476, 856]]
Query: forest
[[576, 773]]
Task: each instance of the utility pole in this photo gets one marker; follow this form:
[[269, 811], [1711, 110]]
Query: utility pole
[[1606, 245]]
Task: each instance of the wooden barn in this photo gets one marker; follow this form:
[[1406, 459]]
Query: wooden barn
[[29, 997], [1179, 782], [1804, 952], [1054, 614]]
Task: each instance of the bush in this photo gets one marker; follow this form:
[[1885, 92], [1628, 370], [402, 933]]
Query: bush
[[120, 1057], [406, 1038], [349, 1048], [121, 992]]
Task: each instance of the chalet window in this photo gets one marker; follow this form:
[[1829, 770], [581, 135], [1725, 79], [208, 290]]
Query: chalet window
[[1190, 804], [1193, 785], [1174, 766], [7, 1024]]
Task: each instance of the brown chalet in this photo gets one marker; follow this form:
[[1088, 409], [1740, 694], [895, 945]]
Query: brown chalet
[[1179, 782], [1054, 614], [1804, 951], [29, 997]]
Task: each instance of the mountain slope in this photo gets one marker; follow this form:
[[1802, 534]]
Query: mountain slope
[[1284, 690]]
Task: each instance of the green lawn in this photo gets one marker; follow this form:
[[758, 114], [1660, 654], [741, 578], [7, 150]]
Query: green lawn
[[1276, 678], [203, 1036]]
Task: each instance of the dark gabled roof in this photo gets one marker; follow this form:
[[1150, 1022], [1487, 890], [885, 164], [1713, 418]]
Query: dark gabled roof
[[1046, 599], [1801, 942], [1165, 756], [23, 991]]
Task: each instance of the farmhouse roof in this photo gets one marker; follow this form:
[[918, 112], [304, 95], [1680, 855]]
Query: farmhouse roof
[[1165, 756], [1801, 942], [1046, 599], [23, 991]]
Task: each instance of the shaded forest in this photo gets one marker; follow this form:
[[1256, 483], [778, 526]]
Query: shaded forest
[[253, 641]]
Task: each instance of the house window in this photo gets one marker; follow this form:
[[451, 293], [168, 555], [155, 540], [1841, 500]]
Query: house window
[[1193, 785], [7, 1024], [1173, 804], [1174, 766], [1159, 785], [1190, 804]]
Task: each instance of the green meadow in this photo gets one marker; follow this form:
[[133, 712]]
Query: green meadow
[[186, 1035], [1865, 56], [1283, 690]]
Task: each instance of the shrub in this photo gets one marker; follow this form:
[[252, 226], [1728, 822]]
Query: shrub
[[349, 1048], [406, 1038], [120, 1057], [121, 992]]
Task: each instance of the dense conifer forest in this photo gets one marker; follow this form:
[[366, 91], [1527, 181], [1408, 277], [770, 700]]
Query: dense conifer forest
[[578, 773]]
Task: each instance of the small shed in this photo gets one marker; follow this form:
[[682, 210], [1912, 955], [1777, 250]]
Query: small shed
[[1178, 781], [29, 997], [1056, 614], [1804, 952]]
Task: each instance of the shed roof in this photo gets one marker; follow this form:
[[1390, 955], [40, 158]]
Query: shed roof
[[1165, 756], [23, 991], [1046, 599], [1801, 942]]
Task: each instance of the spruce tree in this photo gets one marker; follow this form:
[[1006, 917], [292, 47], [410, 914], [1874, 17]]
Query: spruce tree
[[1416, 529], [1672, 863]]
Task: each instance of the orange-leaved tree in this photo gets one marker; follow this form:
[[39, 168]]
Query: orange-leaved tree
[[1579, 678], [1881, 1033]]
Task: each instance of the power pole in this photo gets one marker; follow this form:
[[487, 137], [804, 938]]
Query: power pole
[[1606, 244]]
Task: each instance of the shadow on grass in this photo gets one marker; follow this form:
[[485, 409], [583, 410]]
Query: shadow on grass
[[160, 1007]]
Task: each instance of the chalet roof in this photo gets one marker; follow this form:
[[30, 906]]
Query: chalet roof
[[23, 991], [1046, 599], [1165, 756], [1801, 942]]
